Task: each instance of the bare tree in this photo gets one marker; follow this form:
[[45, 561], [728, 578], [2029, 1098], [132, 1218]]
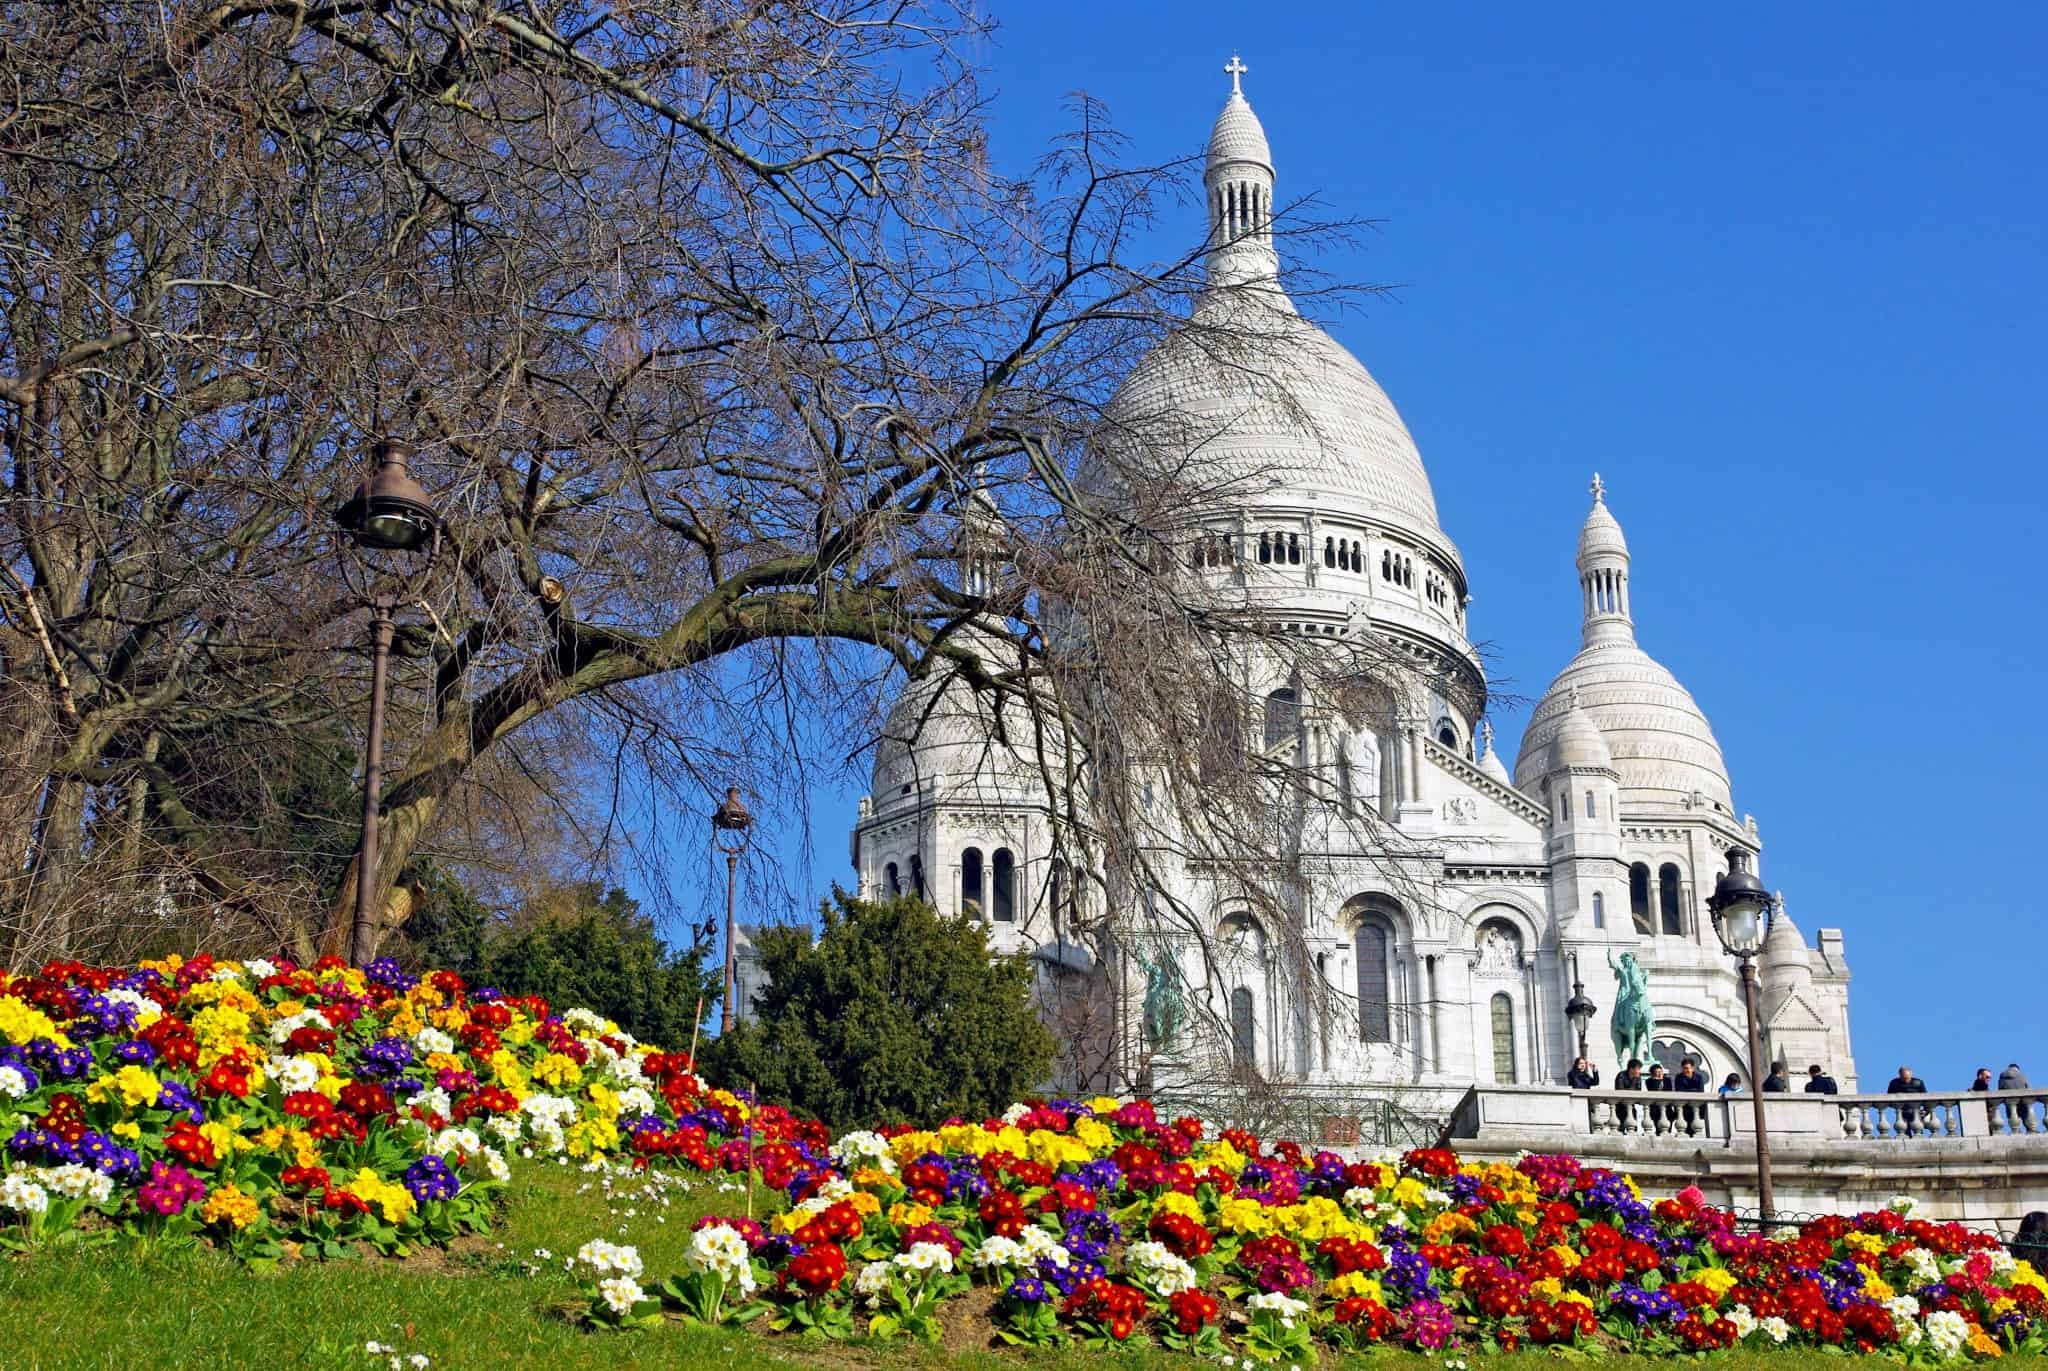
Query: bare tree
[[715, 329]]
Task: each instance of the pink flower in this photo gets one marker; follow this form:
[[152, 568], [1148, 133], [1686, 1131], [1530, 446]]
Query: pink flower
[[169, 1190]]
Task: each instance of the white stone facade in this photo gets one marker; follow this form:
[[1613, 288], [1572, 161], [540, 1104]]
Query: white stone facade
[[1441, 952]]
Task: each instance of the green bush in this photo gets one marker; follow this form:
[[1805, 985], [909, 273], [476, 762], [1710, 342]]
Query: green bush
[[893, 1013]]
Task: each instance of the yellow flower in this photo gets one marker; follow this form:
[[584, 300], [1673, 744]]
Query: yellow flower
[[1981, 1345], [22, 1023], [1105, 1104], [1221, 1153], [908, 1147], [1355, 1283], [1721, 1280], [863, 1203], [1576, 1297], [128, 1129], [557, 1070], [1236, 1215], [1549, 1288], [1409, 1193], [394, 1202], [1873, 1287], [1568, 1258], [230, 1202], [136, 1087], [604, 1100], [224, 1137], [1093, 1135], [1173, 1202], [1447, 1226], [909, 1215]]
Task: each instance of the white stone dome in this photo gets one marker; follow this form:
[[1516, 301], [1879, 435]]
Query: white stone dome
[[1263, 403], [1600, 538], [1577, 742], [941, 731], [1660, 741]]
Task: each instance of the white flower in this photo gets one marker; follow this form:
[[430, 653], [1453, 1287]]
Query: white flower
[[608, 1259], [1744, 1321], [1286, 1306], [19, 1193], [293, 1074], [1947, 1332], [418, 1361], [259, 968], [1362, 1199], [495, 1164], [924, 1256], [450, 1142], [872, 1282], [2003, 1263], [13, 1085], [999, 1251], [428, 1041], [1014, 1115], [79, 1183], [1926, 1269], [505, 1127], [720, 1250], [283, 1029], [635, 1100], [1903, 1308], [1168, 1274], [225, 973], [1775, 1328], [433, 1100], [585, 1020], [620, 1294], [863, 1148], [1040, 1245], [1905, 1206]]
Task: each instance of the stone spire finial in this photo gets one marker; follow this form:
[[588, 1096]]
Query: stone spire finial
[[1599, 489], [1486, 733], [1235, 69]]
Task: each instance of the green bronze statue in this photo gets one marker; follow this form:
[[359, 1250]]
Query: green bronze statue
[[1163, 1008], [1634, 1022]]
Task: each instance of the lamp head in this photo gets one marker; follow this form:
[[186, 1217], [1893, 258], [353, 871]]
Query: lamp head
[[1741, 908], [390, 511]]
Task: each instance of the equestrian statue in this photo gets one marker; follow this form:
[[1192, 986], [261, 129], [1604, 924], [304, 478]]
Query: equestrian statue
[[1633, 1023]]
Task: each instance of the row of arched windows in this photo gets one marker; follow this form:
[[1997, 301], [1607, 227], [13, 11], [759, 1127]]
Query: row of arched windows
[[1342, 555], [1241, 208], [1398, 568], [1280, 547], [893, 877], [1668, 915], [999, 881]]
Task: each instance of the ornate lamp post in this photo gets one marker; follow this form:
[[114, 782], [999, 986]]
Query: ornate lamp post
[[1578, 1008], [731, 827], [1742, 911], [395, 534]]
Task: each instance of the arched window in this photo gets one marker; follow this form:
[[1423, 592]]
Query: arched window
[[1329, 552], [917, 876], [1447, 735], [1005, 901], [1357, 557], [1667, 899], [1283, 717], [1294, 549], [895, 880], [1265, 548], [1244, 1029], [1591, 813], [1503, 1009], [1374, 942], [970, 881], [1639, 898], [1599, 910]]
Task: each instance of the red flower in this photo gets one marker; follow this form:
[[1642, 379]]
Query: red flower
[[1003, 1212], [1193, 1310], [817, 1270], [185, 1140]]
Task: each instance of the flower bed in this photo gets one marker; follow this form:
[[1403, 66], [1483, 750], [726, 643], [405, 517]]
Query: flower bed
[[262, 1105], [1102, 1223]]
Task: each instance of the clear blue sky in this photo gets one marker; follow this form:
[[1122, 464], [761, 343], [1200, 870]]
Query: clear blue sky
[[1780, 274]]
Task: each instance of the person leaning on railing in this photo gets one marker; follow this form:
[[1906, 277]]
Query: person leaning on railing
[[1906, 1083]]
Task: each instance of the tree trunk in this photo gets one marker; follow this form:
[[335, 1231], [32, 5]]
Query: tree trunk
[[59, 851]]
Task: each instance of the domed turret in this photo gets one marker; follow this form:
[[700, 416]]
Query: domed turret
[[1787, 969], [1578, 743], [1489, 760], [1661, 743]]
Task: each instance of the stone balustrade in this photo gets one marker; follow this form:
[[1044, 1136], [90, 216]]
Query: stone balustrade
[[1974, 1155]]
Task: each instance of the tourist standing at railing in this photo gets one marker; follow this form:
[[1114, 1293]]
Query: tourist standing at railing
[[1660, 1115], [1690, 1080], [1630, 1079], [1819, 1082], [1583, 1075], [1906, 1083], [2016, 1111], [1983, 1083], [1733, 1086], [1776, 1083]]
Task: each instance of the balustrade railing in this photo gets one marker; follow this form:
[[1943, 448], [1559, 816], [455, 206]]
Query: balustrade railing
[[1907, 1120]]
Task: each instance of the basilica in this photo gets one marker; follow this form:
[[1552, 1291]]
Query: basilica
[[1442, 950]]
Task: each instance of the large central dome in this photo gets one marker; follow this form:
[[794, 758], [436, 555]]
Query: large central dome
[[1250, 397]]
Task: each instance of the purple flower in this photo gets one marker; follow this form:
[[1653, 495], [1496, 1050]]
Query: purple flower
[[1029, 1290], [386, 1057], [430, 1179]]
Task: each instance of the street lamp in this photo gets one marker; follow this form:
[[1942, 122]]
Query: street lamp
[[730, 826], [1742, 911], [395, 534], [1578, 1008]]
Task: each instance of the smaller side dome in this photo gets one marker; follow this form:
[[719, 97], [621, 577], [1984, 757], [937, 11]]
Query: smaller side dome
[[1787, 969], [1579, 743], [1489, 760]]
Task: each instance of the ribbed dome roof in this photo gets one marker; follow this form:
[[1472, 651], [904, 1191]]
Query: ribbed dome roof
[[1266, 402], [1238, 136], [940, 729], [1661, 743], [1577, 741]]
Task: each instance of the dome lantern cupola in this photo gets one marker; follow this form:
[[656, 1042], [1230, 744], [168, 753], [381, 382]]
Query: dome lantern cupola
[[1238, 176], [1603, 573]]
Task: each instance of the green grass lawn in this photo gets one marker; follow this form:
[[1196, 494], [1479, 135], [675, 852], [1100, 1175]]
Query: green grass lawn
[[118, 1307]]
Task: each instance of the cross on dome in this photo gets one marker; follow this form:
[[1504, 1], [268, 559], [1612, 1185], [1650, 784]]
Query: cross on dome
[[1599, 488], [1235, 69]]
